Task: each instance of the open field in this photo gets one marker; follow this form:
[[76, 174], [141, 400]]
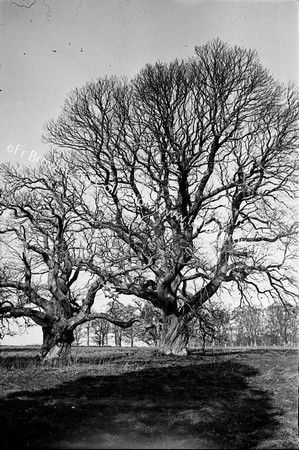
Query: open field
[[136, 398]]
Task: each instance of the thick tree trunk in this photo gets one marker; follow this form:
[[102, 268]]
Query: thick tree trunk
[[174, 339], [59, 354], [56, 347]]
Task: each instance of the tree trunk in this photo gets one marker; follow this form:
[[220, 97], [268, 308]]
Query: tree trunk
[[56, 348], [87, 333], [174, 339]]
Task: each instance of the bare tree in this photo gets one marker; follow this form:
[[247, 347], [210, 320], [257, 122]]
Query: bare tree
[[100, 329], [249, 325], [46, 254], [194, 164], [116, 309], [78, 335], [150, 330], [282, 324], [211, 325]]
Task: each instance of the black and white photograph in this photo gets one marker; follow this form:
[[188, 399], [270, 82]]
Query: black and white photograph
[[149, 221]]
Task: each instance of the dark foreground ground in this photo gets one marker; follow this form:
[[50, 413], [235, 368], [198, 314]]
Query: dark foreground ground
[[136, 398]]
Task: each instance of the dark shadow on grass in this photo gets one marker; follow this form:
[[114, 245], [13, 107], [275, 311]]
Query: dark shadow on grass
[[195, 405]]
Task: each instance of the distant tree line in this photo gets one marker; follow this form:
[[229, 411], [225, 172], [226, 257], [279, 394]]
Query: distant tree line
[[273, 325], [217, 325]]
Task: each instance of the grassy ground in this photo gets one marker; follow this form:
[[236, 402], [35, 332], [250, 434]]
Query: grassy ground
[[136, 398]]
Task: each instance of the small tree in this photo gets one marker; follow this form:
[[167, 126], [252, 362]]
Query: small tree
[[116, 309], [212, 325], [78, 335], [249, 324], [100, 329], [150, 332], [282, 324], [130, 334]]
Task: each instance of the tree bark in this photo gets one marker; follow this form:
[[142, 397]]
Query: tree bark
[[56, 348], [174, 339]]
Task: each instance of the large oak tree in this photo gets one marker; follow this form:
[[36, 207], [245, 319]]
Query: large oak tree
[[197, 163], [192, 169]]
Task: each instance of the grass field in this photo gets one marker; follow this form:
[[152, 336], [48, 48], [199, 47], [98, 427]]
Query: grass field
[[136, 398]]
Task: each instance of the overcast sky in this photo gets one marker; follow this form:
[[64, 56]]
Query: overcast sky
[[53, 46], [48, 50]]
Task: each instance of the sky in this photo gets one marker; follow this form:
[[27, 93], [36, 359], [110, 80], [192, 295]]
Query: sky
[[49, 47]]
